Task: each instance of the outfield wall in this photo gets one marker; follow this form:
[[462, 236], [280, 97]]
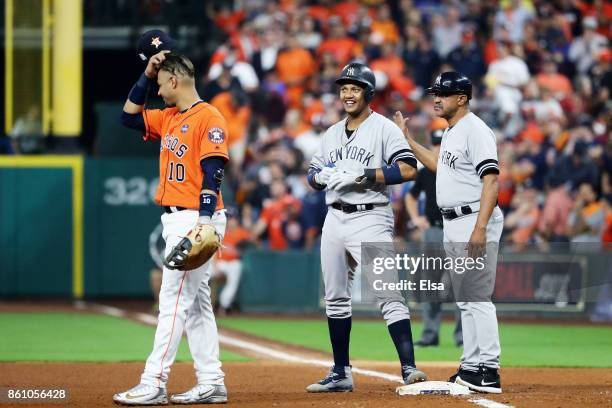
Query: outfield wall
[[75, 227]]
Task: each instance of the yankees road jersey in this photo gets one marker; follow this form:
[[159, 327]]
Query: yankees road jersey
[[467, 152], [376, 142], [185, 139]]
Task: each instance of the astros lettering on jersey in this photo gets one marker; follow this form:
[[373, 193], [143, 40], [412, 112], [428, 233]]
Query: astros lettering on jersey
[[188, 138]]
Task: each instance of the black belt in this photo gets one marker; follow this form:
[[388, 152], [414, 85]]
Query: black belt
[[173, 209], [351, 208], [451, 213]]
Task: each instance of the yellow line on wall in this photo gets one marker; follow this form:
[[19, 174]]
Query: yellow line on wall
[[75, 163], [46, 66], [8, 64]]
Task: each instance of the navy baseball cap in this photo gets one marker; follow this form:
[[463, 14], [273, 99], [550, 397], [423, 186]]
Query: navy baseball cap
[[152, 42]]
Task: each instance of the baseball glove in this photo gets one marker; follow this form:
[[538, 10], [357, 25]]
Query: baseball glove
[[195, 249]]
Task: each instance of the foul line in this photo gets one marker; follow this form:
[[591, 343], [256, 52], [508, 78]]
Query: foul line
[[267, 351]]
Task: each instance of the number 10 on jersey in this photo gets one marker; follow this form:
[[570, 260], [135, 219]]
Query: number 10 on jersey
[[176, 172]]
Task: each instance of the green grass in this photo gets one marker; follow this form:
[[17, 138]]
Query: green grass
[[523, 345], [80, 338]]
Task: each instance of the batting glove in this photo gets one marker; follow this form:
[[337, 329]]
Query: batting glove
[[343, 179], [322, 177]]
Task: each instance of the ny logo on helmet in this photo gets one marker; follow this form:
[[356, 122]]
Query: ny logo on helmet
[[350, 71]]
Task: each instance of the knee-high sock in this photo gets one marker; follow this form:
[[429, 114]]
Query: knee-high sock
[[401, 333], [340, 334]]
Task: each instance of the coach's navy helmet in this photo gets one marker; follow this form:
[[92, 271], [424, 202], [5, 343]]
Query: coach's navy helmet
[[361, 74], [152, 42], [451, 83]]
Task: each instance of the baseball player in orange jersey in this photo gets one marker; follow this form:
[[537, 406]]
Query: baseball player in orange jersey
[[193, 153]]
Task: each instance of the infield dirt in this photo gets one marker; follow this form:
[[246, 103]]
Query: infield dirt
[[272, 384]]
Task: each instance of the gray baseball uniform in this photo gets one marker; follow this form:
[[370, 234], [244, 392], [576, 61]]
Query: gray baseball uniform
[[377, 142], [468, 152]]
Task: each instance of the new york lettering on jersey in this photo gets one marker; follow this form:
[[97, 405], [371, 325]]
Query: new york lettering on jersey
[[356, 153], [375, 143], [188, 137]]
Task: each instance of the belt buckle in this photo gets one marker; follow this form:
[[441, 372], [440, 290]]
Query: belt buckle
[[466, 210]]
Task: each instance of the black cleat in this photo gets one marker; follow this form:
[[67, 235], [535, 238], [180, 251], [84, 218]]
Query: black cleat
[[486, 379]]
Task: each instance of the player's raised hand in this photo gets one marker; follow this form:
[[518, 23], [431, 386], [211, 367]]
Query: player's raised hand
[[154, 63], [402, 123]]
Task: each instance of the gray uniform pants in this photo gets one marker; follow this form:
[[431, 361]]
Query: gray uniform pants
[[341, 242], [473, 290], [432, 311]]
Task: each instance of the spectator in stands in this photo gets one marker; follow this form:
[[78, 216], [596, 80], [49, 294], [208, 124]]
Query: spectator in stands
[[276, 211], [606, 236], [295, 65], [587, 219], [384, 29], [264, 59], [522, 220], [240, 69], [389, 63], [576, 168], [308, 36], [549, 78], [553, 222], [420, 57], [338, 43], [513, 18], [447, 31], [585, 49], [467, 58], [228, 261], [235, 109], [601, 79], [507, 75], [27, 133], [223, 83]]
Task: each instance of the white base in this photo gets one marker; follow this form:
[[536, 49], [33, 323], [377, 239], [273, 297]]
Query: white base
[[433, 388]]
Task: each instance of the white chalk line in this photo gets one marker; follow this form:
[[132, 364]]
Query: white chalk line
[[267, 351]]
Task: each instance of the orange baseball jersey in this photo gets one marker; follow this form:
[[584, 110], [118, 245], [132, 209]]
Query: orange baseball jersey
[[186, 138]]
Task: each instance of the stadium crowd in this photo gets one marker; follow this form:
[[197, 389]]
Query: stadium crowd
[[542, 76], [543, 82]]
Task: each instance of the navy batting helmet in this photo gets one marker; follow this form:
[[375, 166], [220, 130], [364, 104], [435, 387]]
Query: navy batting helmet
[[451, 83], [152, 42], [361, 74]]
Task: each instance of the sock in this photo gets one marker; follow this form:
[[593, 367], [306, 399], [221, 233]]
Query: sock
[[401, 333], [340, 334]]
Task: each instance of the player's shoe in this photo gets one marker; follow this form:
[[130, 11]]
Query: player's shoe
[[453, 378], [202, 394], [432, 342], [335, 381], [486, 379], [142, 394], [412, 375]]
